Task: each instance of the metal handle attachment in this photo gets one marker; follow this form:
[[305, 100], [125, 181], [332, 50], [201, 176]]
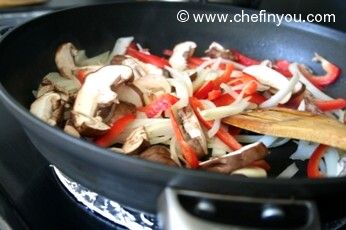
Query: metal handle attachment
[[181, 209]]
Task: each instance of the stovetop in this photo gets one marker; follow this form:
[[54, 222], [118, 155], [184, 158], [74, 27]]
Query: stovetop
[[31, 195]]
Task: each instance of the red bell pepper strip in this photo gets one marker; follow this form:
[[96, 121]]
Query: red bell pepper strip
[[224, 99], [214, 94], [243, 59], [225, 77], [148, 58], [250, 82], [331, 104], [257, 98], [314, 162], [81, 74], [117, 128], [233, 130], [332, 73], [159, 105], [222, 134], [202, 92], [282, 67], [188, 152]]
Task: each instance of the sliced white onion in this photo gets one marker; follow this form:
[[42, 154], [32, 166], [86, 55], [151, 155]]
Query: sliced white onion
[[331, 158], [279, 142], [225, 111], [141, 49], [248, 138], [270, 77], [226, 61], [215, 152], [173, 150], [121, 45], [228, 89], [341, 115], [302, 106], [216, 64], [293, 68], [217, 122], [159, 140], [267, 63], [304, 150], [155, 127], [289, 172], [204, 65], [322, 166], [215, 142], [268, 140], [181, 75], [282, 93], [182, 93]]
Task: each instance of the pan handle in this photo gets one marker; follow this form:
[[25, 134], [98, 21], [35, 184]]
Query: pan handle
[[181, 209]]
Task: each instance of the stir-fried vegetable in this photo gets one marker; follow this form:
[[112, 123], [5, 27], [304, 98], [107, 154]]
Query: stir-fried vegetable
[[192, 111]]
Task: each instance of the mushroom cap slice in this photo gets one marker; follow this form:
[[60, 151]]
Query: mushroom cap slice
[[90, 126], [64, 59], [192, 131], [237, 159], [97, 91], [158, 153], [137, 139], [130, 93], [47, 107]]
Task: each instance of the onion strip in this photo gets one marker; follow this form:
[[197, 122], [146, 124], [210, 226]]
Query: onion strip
[[281, 93]]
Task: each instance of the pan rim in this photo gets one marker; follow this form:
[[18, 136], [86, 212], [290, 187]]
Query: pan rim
[[11, 103]]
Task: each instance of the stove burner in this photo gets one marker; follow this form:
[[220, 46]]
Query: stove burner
[[105, 207]]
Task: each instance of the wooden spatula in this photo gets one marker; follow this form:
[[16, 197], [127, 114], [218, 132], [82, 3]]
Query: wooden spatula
[[290, 123], [11, 3]]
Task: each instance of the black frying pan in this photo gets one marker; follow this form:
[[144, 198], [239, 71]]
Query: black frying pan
[[27, 54]]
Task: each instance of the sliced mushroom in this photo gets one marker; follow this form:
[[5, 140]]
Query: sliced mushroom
[[43, 89], [64, 59], [131, 94], [240, 158], [216, 50], [192, 131], [81, 59], [69, 129], [181, 53], [88, 126], [95, 92], [152, 86], [158, 153], [48, 108], [310, 105], [136, 141]]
